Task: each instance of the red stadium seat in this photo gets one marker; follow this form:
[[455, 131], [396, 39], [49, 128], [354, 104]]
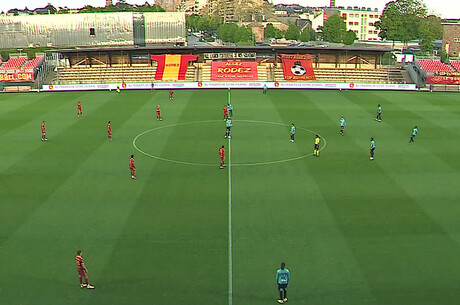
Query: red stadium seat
[[434, 66], [33, 63], [14, 63]]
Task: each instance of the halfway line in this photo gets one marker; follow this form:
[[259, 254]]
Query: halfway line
[[230, 258]]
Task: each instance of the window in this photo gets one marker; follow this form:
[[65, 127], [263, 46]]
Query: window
[[371, 24], [344, 16], [350, 23], [376, 32], [371, 16], [370, 32], [356, 23]]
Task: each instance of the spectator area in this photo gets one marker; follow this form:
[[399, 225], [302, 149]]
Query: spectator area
[[456, 65], [14, 63], [33, 63], [114, 74], [431, 66]]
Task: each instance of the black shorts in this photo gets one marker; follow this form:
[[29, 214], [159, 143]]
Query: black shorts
[[316, 146], [228, 128], [282, 286]]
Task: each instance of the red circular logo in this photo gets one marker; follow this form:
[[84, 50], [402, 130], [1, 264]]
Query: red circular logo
[[51, 87], [352, 85], [123, 85], [200, 84], [277, 84]]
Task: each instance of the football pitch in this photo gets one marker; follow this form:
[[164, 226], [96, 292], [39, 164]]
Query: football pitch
[[351, 231]]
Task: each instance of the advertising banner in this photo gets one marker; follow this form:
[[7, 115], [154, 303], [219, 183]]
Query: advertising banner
[[297, 67], [240, 55], [234, 70], [172, 67], [446, 80], [233, 85], [16, 77]]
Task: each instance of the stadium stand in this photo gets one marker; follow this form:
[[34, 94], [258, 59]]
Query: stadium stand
[[202, 72], [14, 63], [456, 65], [114, 74], [33, 63], [351, 75], [434, 66]]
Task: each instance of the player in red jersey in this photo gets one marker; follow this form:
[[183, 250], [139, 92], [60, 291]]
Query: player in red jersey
[[132, 167], [171, 95], [109, 130], [225, 112], [79, 113], [44, 138], [82, 271], [159, 114], [222, 157]]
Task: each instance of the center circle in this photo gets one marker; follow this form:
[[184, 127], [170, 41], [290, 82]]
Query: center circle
[[239, 123]]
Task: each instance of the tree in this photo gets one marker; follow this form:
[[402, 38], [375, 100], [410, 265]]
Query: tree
[[293, 32], [305, 36], [400, 19], [230, 32], [269, 31], [349, 37], [430, 29], [334, 29]]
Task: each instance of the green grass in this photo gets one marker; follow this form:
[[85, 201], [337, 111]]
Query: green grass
[[351, 231]]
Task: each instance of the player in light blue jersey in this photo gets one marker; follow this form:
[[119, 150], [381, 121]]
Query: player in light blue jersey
[[292, 132], [229, 125], [230, 109], [414, 133], [372, 149], [342, 125], [379, 113], [265, 89], [282, 280]]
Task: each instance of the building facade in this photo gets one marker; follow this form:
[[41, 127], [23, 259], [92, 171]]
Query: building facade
[[107, 29], [193, 7], [169, 5], [451, 38], [362, 22]]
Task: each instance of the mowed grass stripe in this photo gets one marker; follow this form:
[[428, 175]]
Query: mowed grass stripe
[[85, 218], [445, 100], [175, 237], [13, 104], [393, 133], [25, 138], [386, 227], [327, 267], [38, 110], [433, 124], [29, 182]]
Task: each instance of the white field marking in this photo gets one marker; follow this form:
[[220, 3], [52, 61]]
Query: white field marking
[[230, 252], [213, 164]]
